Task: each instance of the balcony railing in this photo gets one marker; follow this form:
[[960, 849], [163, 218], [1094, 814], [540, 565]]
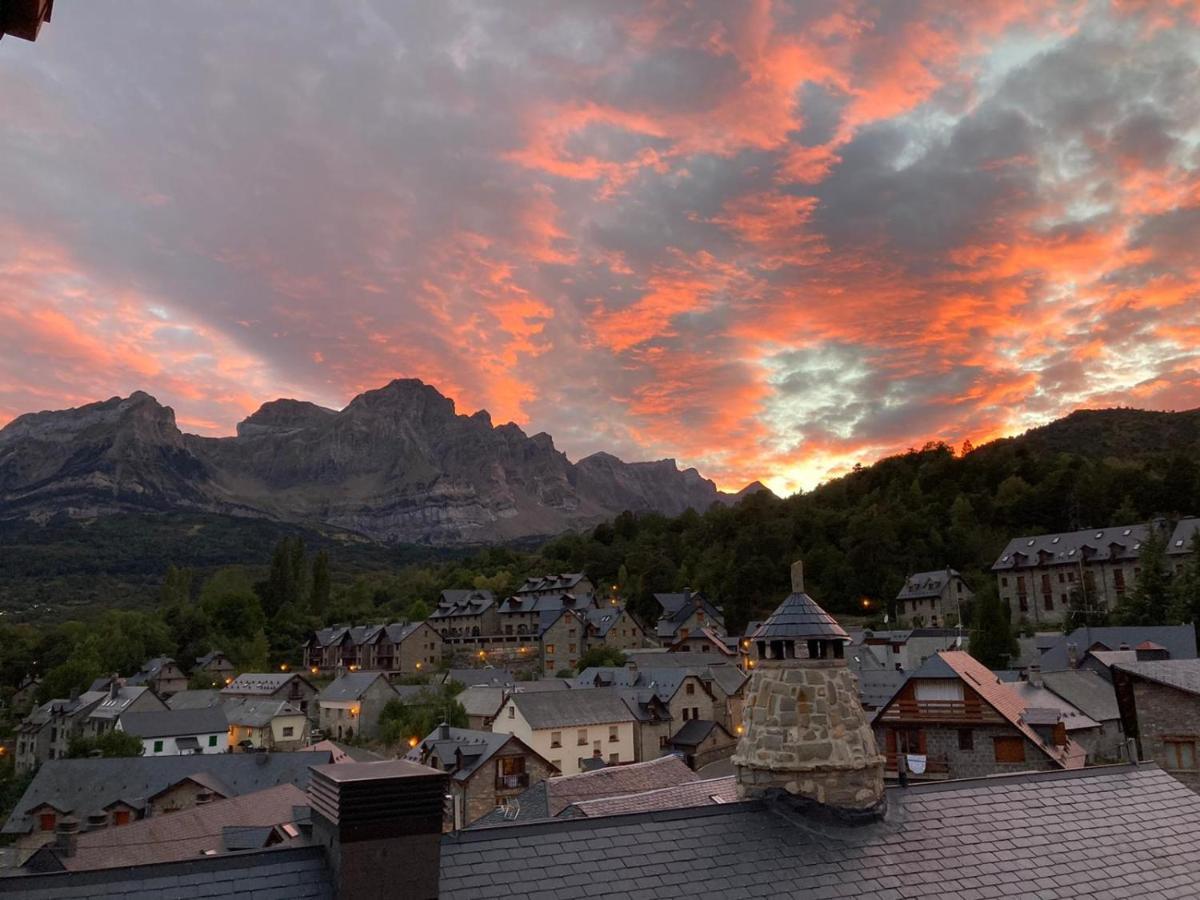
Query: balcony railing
[[939, 711], [935, 766], [512, 782]]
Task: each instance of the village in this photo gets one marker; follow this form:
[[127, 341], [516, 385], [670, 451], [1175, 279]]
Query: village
[[555, 703]]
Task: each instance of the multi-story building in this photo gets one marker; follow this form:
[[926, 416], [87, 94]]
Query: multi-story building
[[1038, 575], [571, 728], [1181, 544], [403, 648], [465, 613], [162, 676], [958, 720], [928, 598], [574, 583], [610, 625], [178, 732], [563, 640], [271, 686], [1159, 702], [349, 706], [487, 769], [684, 613]]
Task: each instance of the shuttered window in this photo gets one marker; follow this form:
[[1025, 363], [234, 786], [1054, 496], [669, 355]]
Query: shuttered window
[[1010, 749]]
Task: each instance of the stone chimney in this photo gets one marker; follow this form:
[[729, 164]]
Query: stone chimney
[[380, 824], [806, 734], [1035, 674], [444, 731], [66, 836]]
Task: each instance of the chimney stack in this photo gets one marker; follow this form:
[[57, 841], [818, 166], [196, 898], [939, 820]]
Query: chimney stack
[[1035, 674], [381, 826], [798, 577], [66, 836], [444, 731]]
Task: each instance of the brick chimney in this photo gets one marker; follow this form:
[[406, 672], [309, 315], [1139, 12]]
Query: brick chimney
[[806, 735], [381, 826]]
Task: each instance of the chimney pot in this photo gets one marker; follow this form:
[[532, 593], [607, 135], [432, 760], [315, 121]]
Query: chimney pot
[[798, 577], [444, 731], [66, 836]]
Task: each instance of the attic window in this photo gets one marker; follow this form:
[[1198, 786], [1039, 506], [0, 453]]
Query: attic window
[[1179, 543], [1030, 544], [1054, 540], [1126, 532], [716, 798], [1099, 534], [1137, 546], [1071, 552]]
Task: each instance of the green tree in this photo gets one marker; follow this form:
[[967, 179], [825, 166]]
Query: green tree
[[402, 721], [1185, 588], [1149, 603], [601, 655], [109, 744], [321, 588], [992, 641], [176, 586], [238, 624]]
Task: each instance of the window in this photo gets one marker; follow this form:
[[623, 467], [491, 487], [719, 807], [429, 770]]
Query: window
[[549, 649], [555, 739], [158, 745], [966, 739], [570, 648], [1119, 580], [212, 738], [614, 759], [612, 734], [1181, 754], [1009, 749], [557, 763], [121, 817], [581, 737], [695, 712], [1003, 582], [685, 714], [46, 821], [662, 742], [704, 648], [1024, 602], [1048, 602], [288, 731], [512, 712]]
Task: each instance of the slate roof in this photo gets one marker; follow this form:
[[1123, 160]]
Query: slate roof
[[286, 873], [459, 602], [678, 608], [475, 747], [174, 722], [1086, 690], [702, 792], [185, 833], [568, 709], [208, 658], [1181, 674], [926, 584], [1035, 697], [1181, 538], [258, 713], [481, 700], [1126, 831], [111, 707], [468, 677], [664, 682], [877, 686], [799, 617], [545, 603], [351, 686], [549, 798], [694, 732], [265, 683], [85, 786], [1180, 641], [1094, 545], [194, 699], [604, 618], [555, 583]]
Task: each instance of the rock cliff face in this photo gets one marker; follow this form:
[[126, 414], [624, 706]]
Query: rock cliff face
[[397, 464]]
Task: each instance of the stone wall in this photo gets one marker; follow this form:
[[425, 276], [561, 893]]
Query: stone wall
[[807, 734], [1165, 712], [942, 743], [482, 795]]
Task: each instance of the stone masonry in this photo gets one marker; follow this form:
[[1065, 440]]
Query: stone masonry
[[807, 734]]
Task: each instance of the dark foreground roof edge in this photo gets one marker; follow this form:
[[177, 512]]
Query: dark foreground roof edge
[[234, 859], [933, 787]]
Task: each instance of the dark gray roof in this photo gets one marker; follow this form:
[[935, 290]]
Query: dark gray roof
[[194, 699], [877, 686], [678, 608], [258, 712], [545, 603], [286, 873], [566, 709], [1181, 674], [935, 667], [459, 602], [604, 618], [926, 584], [1086, 690], [544, 583], [351, 686], [208, 658], [173, 722], [475, 748], [1181, 538], [799, 617], [1093, 544], [531, 805], [468, 677], [264, 683], [694, 732], [1130, 832], [1179, 640], [85, 786]]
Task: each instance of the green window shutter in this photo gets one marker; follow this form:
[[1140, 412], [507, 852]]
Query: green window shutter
[[212, 740], [158, 746]]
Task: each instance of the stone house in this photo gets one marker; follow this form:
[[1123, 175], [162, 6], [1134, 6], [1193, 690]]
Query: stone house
[[47, 731], [706, 641], [217, 665], [964, 722], [612, 626], [289, 686], [405, 648], [1059, 652], [1037, 575], [1160, 708], [178, 732], [265, 724], [571, 727], [684, 613], [932, 596], [465, 613], [907, 649], [654, 722], [574, 583], [1093, 696], [1180, 544], [563, 637], [487, 769], [162, 676], [350, 705], [701, 741]]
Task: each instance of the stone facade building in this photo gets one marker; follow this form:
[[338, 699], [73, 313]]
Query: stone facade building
[[960, 721], [805, 732], [1160, 708], [612, 626], [563, 640], [487, 770], [349, 706], [929, 598]]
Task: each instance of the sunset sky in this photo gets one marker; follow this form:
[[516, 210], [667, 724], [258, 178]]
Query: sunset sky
[[767, 239]]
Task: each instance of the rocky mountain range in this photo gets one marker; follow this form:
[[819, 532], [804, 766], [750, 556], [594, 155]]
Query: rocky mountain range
[[398, 464]]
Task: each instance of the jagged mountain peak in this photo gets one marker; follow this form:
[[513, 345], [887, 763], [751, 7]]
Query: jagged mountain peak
[[284, 415]]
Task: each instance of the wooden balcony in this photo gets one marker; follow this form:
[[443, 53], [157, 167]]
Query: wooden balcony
[[936, 768], [931, 711]]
